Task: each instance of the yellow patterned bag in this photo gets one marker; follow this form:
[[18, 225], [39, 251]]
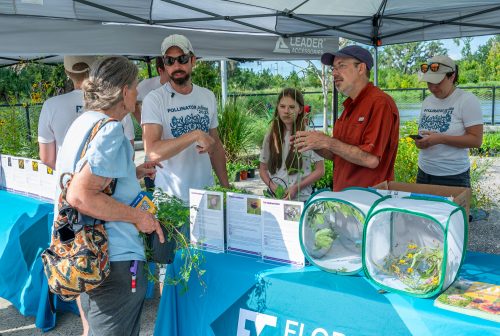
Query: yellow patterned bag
[[77, 258]]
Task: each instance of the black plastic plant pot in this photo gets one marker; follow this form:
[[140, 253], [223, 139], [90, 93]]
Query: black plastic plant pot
[[251, 173], [162, 253]]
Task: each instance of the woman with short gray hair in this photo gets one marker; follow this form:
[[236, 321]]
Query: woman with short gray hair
[[113, 308]]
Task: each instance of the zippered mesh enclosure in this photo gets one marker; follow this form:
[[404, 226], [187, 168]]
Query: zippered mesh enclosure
[[331, 228], [414, 245]]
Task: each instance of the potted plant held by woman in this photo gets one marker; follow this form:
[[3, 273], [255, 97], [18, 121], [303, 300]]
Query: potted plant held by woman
[[173, 216]]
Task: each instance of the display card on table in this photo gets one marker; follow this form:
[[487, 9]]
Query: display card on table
[[19, 177], [244, 223], [207, 219], [2, 177], [280, 231], [33, 179], [8, 172], [48, 181]]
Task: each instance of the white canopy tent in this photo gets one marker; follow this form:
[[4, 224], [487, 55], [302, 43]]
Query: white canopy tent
[[253, 29], [220, 29]]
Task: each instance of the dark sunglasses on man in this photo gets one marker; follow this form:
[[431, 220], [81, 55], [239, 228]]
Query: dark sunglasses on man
[[182, 59], [434, 67]]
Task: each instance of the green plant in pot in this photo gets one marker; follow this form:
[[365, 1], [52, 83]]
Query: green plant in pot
[[173, 215]]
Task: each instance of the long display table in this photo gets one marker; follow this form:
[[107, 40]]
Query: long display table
[[244, 296]]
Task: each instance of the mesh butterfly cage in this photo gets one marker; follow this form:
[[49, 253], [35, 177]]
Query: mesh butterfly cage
[[331, 228], [414, 245]]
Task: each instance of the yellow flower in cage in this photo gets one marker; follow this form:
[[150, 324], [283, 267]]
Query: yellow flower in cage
[[435, 281], [35, 85], [402, 261], [410, 270], [474, 165], [395, 269], [410, 255], [25, 104], [412, 246]]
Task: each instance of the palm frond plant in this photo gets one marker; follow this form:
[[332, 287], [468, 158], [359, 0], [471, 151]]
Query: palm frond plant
[[235, 130]]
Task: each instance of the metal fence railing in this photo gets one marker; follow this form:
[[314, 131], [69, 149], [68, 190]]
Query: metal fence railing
[[22, 119], [408, 101]]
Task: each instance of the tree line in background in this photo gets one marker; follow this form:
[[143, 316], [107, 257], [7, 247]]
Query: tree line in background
[[398, 65]]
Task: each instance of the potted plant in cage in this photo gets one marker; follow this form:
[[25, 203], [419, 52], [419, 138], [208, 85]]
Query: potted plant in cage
[[418, 267], [173, 216]]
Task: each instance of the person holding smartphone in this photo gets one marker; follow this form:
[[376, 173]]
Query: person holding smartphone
[[450, 123]]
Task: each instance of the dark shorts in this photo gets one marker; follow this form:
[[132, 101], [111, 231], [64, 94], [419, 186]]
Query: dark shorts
[[112, 309], [459, 180]]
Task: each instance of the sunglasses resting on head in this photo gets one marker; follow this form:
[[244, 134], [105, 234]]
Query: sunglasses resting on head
[[182, 59], [434, 67]]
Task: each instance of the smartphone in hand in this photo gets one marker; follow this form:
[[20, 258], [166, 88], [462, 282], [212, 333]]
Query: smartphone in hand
[[415, 136]]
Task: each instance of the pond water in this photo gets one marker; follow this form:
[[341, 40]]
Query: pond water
[[411, 111]]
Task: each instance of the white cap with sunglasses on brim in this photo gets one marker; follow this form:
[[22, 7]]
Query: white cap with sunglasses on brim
[[84, 63], [446, 65], [176, 40]]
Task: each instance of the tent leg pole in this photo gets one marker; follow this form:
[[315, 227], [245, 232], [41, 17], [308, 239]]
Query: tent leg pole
[[223, 76], [150, 72], [335, 106], [375, 72]]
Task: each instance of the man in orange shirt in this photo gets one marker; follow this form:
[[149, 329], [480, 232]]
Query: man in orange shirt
[[365, 137]]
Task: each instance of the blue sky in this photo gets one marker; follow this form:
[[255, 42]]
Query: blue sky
[[284, 68]]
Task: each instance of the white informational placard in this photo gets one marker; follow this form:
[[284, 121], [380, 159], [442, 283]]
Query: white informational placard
[[19, 178], [48, 182], [27, 177], [244, 223], [33, 177], [280, 231], [207, 219], [2, 176], [8, 172]]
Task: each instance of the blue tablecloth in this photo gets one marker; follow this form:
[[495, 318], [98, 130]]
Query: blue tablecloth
[[308, 302], [25, 226], [25, 232]]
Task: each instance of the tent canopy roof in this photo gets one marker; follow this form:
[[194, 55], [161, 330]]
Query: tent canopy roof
[[234, 28]]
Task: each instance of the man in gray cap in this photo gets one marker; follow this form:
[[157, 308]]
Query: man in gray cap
[[450, 123], [59, 112], [365, 137], [179, 122]]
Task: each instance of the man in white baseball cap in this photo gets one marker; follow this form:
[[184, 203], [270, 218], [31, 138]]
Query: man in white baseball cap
[[450, 123], [179, 122], [59, 112]]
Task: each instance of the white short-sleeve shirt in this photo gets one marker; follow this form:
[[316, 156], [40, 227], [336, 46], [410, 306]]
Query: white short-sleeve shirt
[[179, 114], [146, 86], [59, 112], [448, 116], [308, 158]]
